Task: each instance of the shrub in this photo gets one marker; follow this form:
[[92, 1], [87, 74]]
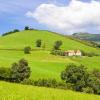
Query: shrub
[[57, 45], [11, 32], [58, 52], [26, 28], [27, 50], [46, 83], [89, 54], [38, 43], [20, 71], [75, 75], [88, 90], [5, 74], [28, 82]]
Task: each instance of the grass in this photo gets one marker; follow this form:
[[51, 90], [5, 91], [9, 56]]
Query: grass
[[45, 65], [23, 92], [28, 38]]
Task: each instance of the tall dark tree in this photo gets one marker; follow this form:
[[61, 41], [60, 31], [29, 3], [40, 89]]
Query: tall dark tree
[[57, 45], [38, 43], [20, 71]]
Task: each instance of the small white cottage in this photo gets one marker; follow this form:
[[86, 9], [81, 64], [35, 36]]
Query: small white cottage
[[73, 53]]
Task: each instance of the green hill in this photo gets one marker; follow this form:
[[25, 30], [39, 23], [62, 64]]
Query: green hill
[[87, 36], [24, 92], [28, 38], [42, 63]]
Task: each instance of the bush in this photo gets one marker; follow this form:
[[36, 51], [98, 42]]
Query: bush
[[46, 83], [5, 74], [75, 75], [38, 43], [89, 54], [88, 90], [27, 82], [11, 32], [20, 71], [27, 50], [57, 45], [58, 52], [26, 28], [81, 79]]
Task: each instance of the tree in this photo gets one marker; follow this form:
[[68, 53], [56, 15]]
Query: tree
[[27, 50], [26, 28], [20, 71], [76, 75], [57, 45], [38, 43]]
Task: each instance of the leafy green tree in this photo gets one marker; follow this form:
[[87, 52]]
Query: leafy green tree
[[38, 43], [27, 50], [57, 45], [20, 71], [26, 28], [75, 75]]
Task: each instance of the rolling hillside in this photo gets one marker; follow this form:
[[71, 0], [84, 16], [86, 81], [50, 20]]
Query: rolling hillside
[[43, 65], [28, 38], [24, 92], [87, 36]]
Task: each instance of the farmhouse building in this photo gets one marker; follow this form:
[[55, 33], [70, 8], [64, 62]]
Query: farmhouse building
[[73, 53]]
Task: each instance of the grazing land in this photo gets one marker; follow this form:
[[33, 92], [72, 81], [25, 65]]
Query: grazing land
[[23, 92], [43, 64]]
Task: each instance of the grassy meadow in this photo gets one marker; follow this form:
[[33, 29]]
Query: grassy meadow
[[28, 38], [43, 65], [24, 92]]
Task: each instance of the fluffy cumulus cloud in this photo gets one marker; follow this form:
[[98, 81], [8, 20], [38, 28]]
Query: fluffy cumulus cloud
[[75, 17]]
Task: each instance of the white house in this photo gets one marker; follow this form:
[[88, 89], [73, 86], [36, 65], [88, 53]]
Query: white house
[[73, 53]]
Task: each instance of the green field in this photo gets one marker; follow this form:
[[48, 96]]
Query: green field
[[28, 38], [24, 92], [43, 65]]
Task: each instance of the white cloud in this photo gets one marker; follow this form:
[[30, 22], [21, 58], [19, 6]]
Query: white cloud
[[75, 17]]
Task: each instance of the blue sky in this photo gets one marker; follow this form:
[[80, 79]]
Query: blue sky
[[13, 14]]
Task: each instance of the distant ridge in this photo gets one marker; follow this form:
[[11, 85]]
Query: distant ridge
[[87, 36]]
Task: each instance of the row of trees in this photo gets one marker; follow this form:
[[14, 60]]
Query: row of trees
[[38, 42], [74, 77], [16, 30]]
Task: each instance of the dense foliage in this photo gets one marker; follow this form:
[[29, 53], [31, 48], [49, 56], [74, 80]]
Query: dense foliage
[[89, 54], [11, 32], [81, 79], [20, 71], [5, 74], [58, 52], [57, 45], [27, 50], [38, 43], [26, 28]]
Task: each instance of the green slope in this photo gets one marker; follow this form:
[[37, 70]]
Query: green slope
[[28, 38], [24, 92], [87, 36]]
